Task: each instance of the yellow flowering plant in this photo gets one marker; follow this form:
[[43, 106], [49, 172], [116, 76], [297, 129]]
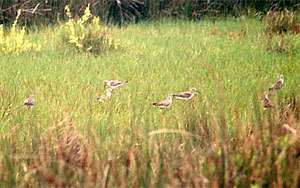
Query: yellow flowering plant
[[13, 41], [86, 33]]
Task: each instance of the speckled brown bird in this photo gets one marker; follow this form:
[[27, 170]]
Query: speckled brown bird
[[29, 101], [114, 84], [278, 84], [165, 103], [266, 103], [186, 95]]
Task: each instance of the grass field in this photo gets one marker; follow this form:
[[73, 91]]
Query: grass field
[[221, 137]]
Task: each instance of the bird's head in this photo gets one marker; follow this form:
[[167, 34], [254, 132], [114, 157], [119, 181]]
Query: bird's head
[[281, 77], [194, 90]]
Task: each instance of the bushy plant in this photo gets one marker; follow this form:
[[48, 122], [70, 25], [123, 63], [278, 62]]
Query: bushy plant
[[280, 27], [280, 21], [13, 41], [86, 33]]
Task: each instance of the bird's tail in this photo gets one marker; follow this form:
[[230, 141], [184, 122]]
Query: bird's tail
[[154, 103], [126, 81]]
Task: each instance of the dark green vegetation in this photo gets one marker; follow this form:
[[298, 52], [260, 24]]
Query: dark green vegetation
[[124, 11], [221, 137]]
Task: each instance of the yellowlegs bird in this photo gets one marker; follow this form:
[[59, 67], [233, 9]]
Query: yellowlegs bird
[[266, 103], [114, 84], [186, 95], [106, 97], [278, 84], [29, 101], [165, 103]]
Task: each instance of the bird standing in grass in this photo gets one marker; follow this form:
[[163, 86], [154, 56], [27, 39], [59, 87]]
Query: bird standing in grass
[[278, 84], [106, 97], [114, 84], [266, 103], [165, 103], [186, 95], [29, 101]]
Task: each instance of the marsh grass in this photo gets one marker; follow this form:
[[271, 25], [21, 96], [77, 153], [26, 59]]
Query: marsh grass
[[221, 137]]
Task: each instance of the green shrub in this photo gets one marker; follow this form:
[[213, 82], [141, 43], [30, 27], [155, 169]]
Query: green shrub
[[13, 41], [86, 33]]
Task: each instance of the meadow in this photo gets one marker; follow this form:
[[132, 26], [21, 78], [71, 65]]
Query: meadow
[[221, 137]]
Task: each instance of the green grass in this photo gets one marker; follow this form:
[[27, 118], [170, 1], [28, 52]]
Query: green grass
[[227, 61]]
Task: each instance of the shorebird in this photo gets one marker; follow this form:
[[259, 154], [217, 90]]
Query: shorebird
[[186, 95], [106, 97], [114, 84], [29, 101], [266, 103], [165, 103], [278, 84]]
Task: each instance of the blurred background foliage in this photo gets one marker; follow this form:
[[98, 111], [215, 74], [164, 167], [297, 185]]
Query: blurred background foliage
[[124, 11]]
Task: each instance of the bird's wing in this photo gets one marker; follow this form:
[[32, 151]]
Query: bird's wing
[[115, 83], [29, 101], [165, 102], [184, 94], [276, 85], [162, 103], [267, 103]]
